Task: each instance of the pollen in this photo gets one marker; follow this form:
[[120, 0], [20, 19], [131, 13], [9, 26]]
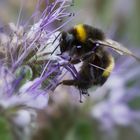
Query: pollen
[[81, 33]]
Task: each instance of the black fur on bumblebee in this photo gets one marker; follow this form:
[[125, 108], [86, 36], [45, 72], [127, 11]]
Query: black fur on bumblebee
[[86, 44]]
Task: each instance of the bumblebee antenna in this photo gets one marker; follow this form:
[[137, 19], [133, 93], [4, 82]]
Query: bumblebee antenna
[[56, 37], [55, 49], [57, 45]]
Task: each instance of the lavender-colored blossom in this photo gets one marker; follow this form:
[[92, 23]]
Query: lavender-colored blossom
[[27, 49], [28, 68]]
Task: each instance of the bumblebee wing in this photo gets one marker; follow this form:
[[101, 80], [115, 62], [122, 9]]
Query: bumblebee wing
[[119, 48]]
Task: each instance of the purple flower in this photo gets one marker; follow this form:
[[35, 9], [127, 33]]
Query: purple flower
[[28, 69], [26, 62]]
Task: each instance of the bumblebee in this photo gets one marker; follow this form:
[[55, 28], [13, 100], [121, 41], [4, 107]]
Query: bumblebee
[[84, 43]]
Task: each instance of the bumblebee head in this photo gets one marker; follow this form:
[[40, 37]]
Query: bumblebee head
[[66, 41], [69, 46]]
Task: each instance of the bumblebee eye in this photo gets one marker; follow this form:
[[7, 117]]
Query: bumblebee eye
[[79, 47], [69, 37]]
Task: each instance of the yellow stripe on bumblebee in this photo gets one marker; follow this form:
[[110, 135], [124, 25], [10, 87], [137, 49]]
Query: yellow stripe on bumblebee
[[110, 67], [81, 33]]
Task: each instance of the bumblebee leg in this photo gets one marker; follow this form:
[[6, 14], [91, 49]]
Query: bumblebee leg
[[70, 82], [78, 84], [80, 100], [75, 61], [75, 82], [83, 92], [82, 58]]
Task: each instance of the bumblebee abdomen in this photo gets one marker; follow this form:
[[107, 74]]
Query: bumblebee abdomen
[[105, 64]]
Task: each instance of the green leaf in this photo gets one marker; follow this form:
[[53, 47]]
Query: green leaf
[[5, 133]]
